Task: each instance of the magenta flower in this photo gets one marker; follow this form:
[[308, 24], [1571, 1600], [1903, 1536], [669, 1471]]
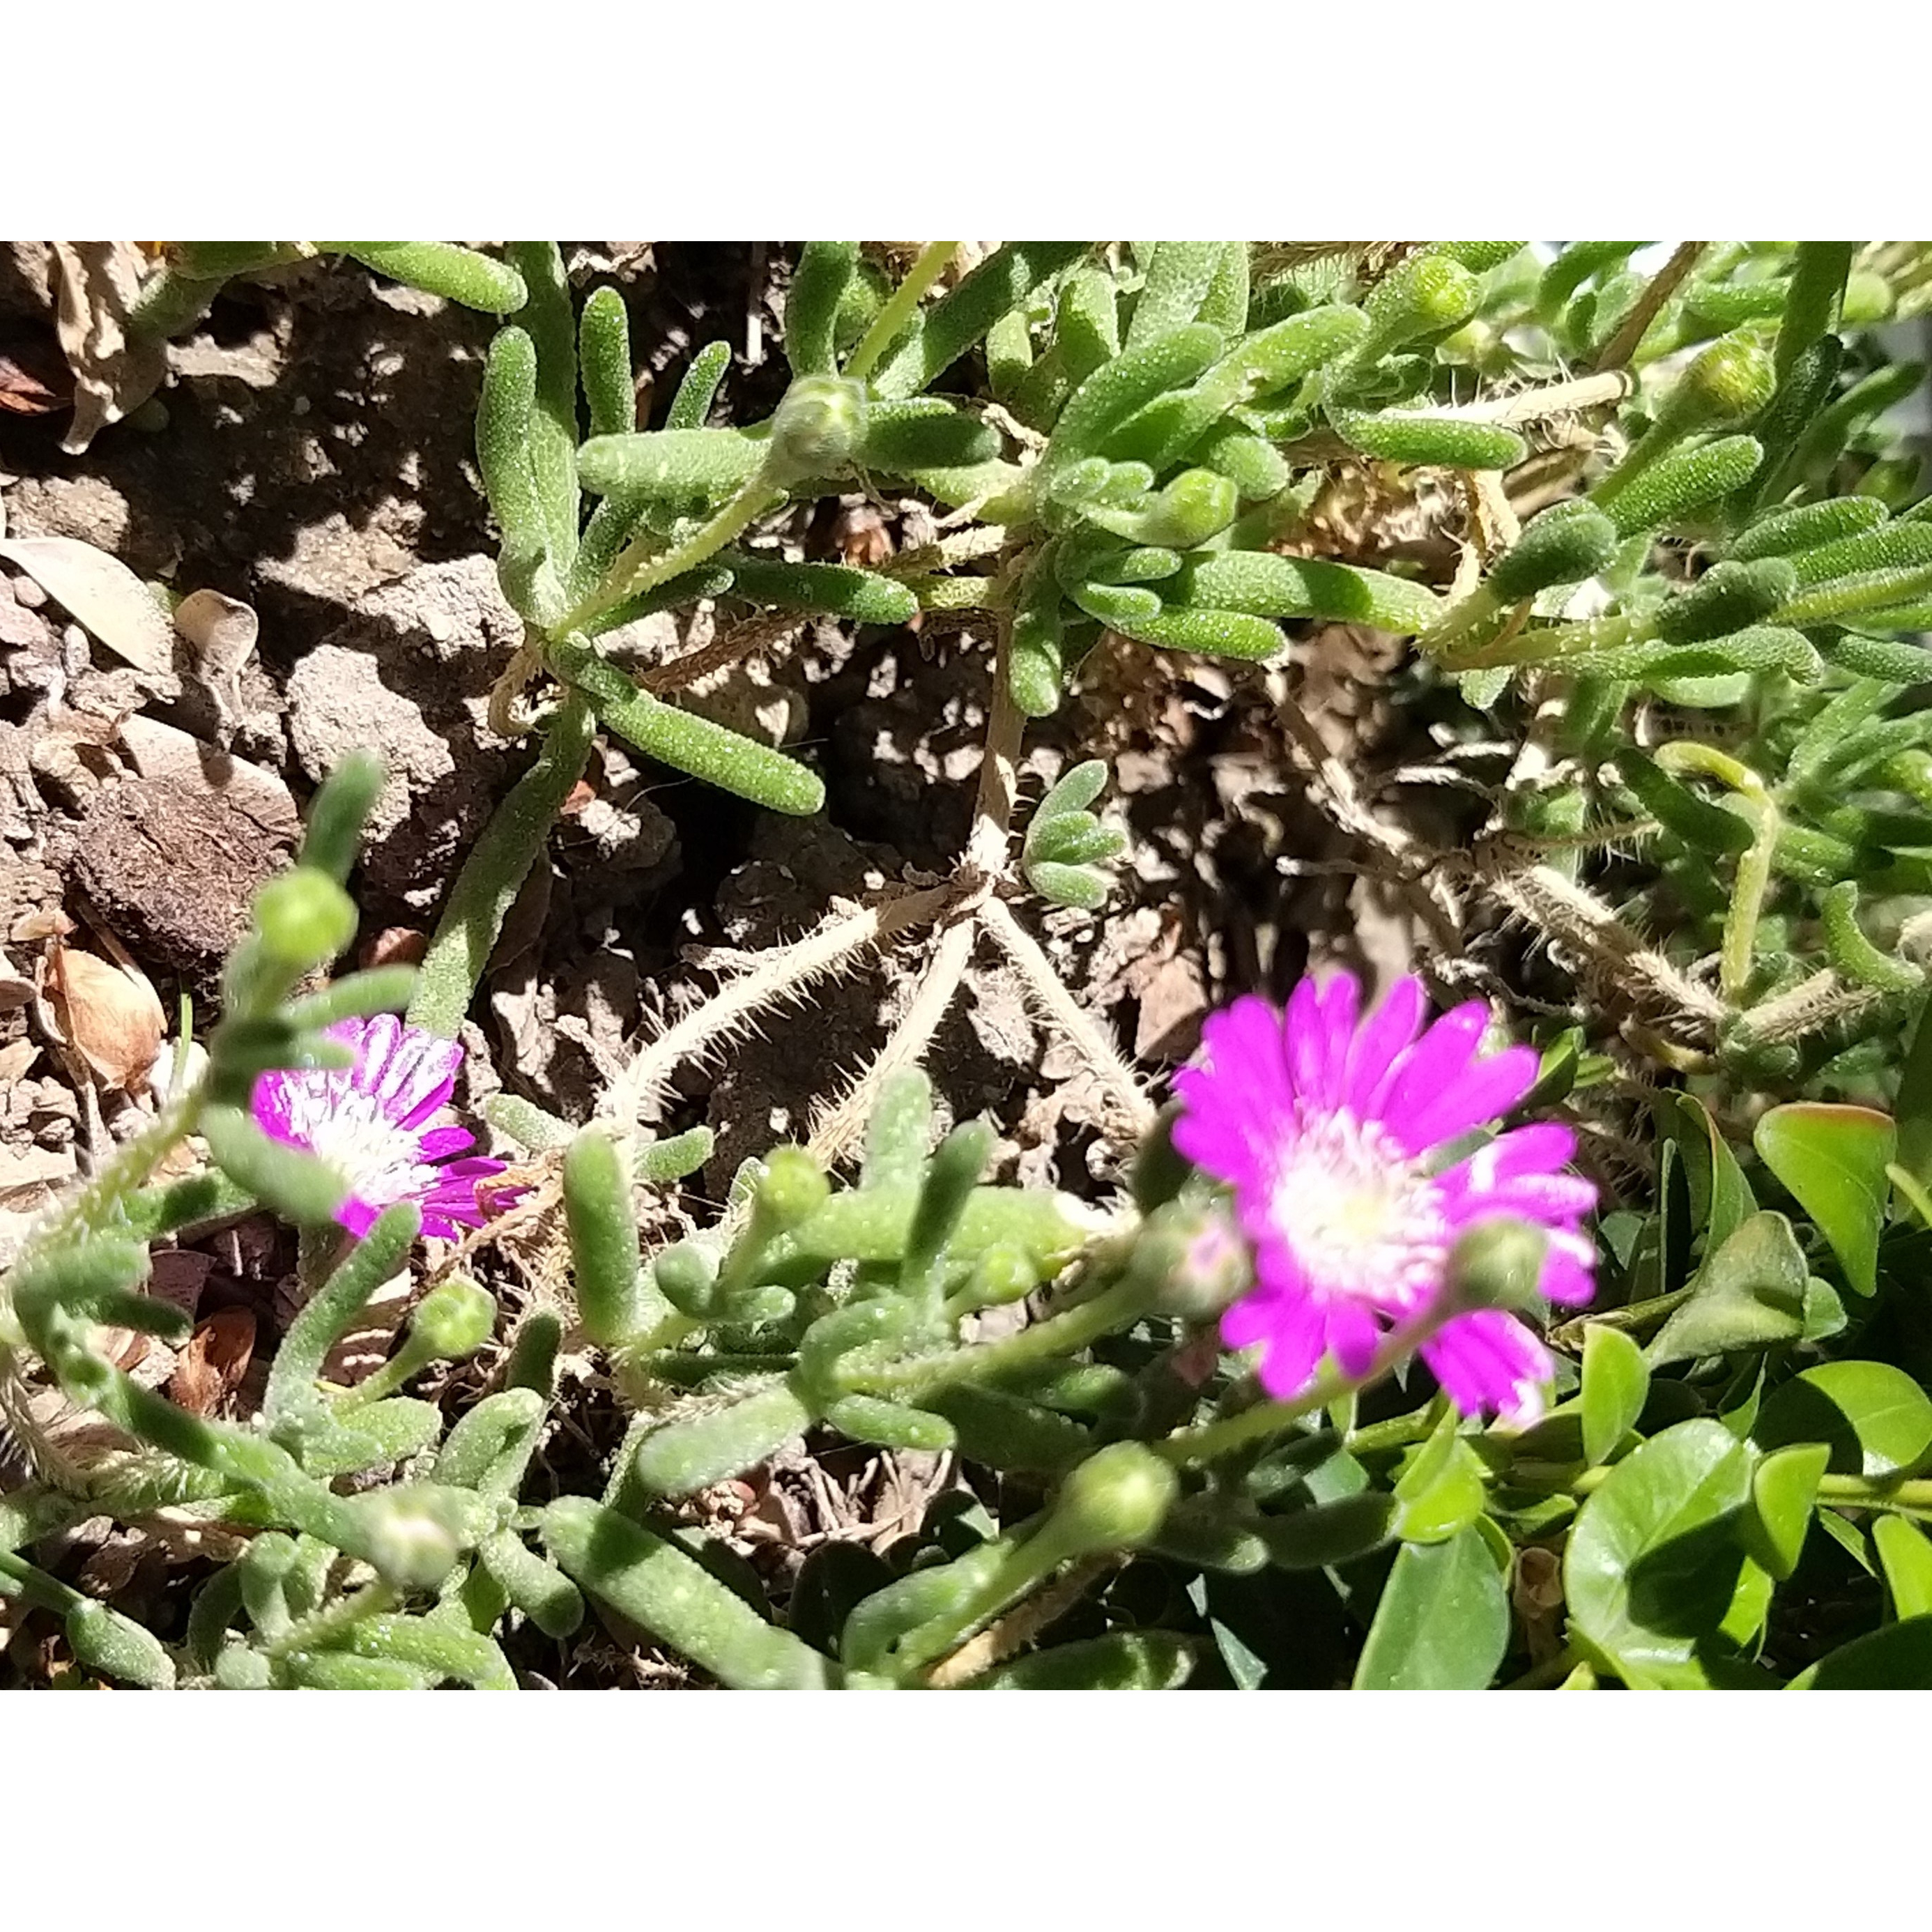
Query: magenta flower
[[375, 1122], [1330, 1135]]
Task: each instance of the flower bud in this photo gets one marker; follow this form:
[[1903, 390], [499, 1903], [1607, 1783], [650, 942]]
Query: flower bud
[[816, 428], [454, 1319], [1116, 1499], [1496, 1264], [305, 918], [1192, 1259], [1216, 1269], [414, 1535], [794, 1186], [1732, 379]]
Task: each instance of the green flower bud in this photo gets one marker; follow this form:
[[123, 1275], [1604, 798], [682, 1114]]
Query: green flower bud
[[454, 1320], [416, 1533], [794, 1186], [304, 917], [816, 427], [1214, 1267], [1732, 380], [1116, 1499], [1496, 1264], [410, 1543]]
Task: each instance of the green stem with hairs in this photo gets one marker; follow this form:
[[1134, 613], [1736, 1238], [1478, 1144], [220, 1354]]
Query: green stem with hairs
[[1115, 1307], [1208, 1441], [637, 570]]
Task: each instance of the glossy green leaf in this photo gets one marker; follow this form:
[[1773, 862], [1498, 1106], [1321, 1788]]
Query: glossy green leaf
[[1898, 1657], [1653, 1563], [1876, 1420], [1616, 1380], [1721, 1200], [1849, 1538], [1784, 1490], [1441, 1492], [1914, 1104], [1443, 1621], [1833, 1159], [1750, 1294], [1905, 1553]]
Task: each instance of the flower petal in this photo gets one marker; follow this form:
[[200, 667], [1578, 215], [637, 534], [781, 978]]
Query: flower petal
[[1430, 1067], [374, 1039], [440, 1143], [1489, 1088], [1569, 1275], [1353, 1334], [1376, 1048], [1294, 1341], [1489, 1362]]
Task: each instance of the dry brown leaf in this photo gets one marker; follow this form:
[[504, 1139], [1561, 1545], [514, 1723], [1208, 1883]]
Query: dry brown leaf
[[40, 922], [24, 390], [112, 1019], [221, 633], [126, 1349], [103, 596], [393, 946], [214, 1361], [113, 373]]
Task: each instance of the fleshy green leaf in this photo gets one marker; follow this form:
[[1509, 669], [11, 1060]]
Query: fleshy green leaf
[[1749, 1294], [1833, 1159], [1616, 1380], [1784, 1490], [1653, 1563], [1443, 1621], [1898, 1657], [1876, 1420], [1906, 1555]]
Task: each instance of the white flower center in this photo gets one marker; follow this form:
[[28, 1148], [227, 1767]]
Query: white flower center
[[382, 1162], [1360, 1218]]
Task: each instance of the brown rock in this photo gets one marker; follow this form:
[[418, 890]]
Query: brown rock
[[172, 867]]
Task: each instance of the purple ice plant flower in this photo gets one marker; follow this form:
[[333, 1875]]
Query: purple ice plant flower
[[1332, 1135], [381, 1124]]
